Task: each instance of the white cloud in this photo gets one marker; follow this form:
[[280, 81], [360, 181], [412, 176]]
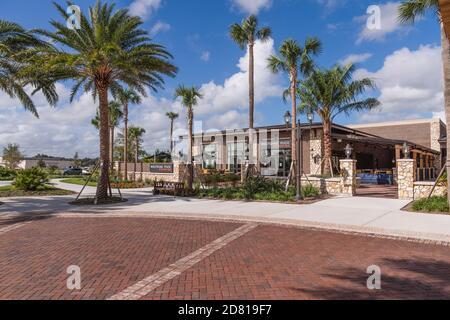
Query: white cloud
[[159, 27], [355, 58], [233, 93], [206, 55], [252, 6], [331, 5], [59, 131], [389, 24], [410, 84], [144, 8]]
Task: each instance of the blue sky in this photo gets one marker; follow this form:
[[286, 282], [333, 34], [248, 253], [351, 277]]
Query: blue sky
[[404, 60]]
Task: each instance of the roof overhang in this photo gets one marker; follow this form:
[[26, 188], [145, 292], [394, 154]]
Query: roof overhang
[[444, 6]]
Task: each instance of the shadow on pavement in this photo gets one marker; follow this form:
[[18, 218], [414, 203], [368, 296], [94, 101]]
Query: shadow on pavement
[[405, 279]]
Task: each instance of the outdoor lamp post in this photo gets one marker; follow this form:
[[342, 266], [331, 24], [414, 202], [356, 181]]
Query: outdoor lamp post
[[310, 117], [298, 178], [405, 151], [348, 151], [287, 118]]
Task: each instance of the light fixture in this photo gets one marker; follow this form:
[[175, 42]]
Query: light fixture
[[348, 151], [405, 151], [287, 118], [310, 117]]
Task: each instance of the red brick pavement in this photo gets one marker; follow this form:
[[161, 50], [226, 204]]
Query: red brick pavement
[[287, 263], [269, 262], [113, 253]]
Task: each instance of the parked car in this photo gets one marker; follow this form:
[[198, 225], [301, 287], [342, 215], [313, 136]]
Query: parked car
[[72, 172]]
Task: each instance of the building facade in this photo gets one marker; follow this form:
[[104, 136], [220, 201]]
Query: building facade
[[376, 147]]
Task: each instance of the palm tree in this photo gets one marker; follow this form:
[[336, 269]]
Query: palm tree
[[294, 60], [16, 45], [115, 115], [408, 12], [126, 97], [172, 117], [189, 98], [246, 34], [109, 51], [136, 134], [330, 93]]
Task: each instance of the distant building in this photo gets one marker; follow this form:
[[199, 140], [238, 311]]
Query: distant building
[[27, 163]]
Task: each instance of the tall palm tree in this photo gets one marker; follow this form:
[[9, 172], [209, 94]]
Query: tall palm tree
[[108, 52], [246, 34], [295, 60], [408, 12], [172, 117], [330, 93], [16, 46], [115, 115], [126, 97], [189, 98], [136, 134]]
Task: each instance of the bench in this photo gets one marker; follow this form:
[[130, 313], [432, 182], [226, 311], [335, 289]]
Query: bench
[[162, 187]]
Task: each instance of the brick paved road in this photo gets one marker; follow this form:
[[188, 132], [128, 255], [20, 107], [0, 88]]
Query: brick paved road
[[266, 262]]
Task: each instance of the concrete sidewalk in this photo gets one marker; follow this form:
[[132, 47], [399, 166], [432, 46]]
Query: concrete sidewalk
[[346, 213]]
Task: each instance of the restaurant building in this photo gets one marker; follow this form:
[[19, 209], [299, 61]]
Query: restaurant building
[[376, 147]]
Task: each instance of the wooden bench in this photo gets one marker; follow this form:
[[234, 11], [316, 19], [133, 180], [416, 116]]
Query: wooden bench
[[177, 188]]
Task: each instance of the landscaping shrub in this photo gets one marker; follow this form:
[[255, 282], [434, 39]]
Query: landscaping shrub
[[309, 191], [254, 185], [7, 174], [31, 179], [434, 204]]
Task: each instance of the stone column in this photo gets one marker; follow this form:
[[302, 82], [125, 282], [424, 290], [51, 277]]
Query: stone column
[[316, 152], [348, 176], [405, 179]]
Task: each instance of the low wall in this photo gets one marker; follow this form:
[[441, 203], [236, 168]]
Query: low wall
[[422, 189], [331, 186]]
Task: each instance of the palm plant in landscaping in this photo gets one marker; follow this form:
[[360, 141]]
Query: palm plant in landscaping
[[172, 117], [110, 51], [246, 34], [126, 97], [189, 98], [330, 93], [16, 46], [136, 135], [115, 115], [295, 60], [409, 12]]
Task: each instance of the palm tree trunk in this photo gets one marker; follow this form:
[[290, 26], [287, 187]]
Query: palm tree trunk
[[125, 145], [102, 187], [446, 66], [190, 164], [327, 146], [171, 136], [293, 79], [251, 86], [111, 147], [136, 159]]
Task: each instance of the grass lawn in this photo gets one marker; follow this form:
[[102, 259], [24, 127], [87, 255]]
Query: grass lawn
[[10, 191], [79, 181]]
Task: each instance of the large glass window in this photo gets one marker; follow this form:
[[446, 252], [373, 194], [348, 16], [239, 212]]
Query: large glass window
[[210, 156], [235, 156]]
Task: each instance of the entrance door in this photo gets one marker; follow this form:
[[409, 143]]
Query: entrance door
[[285, 163]]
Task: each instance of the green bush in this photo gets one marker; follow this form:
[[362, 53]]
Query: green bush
[[7, 174], [309, 191], [254, 185], [434, 204], [31, 179]]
